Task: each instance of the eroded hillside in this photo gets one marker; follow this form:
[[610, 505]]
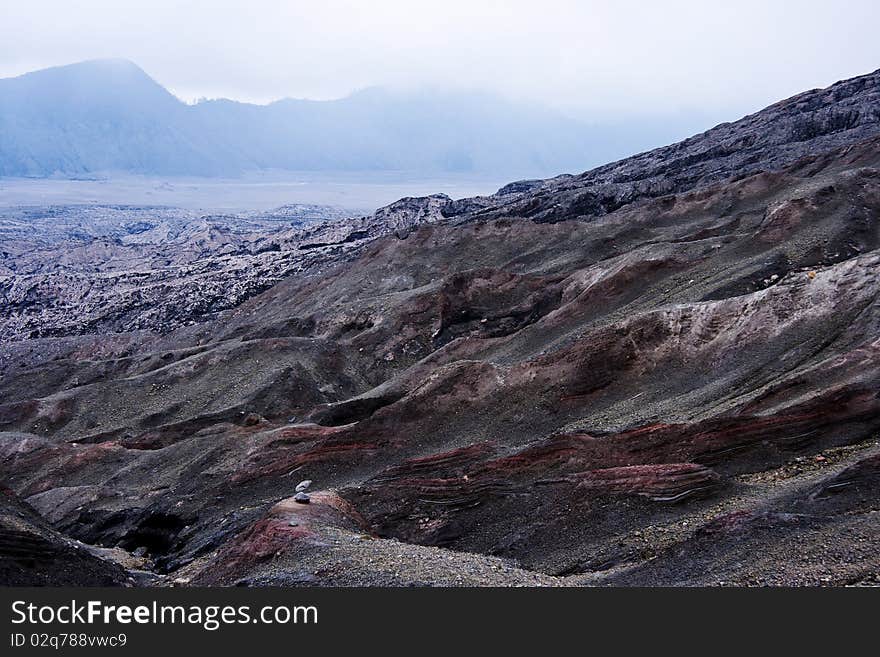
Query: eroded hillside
[[665, 371]]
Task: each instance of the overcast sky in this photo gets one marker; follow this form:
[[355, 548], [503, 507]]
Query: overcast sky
[[593, 59]]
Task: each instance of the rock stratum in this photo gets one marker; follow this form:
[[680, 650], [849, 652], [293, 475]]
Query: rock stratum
[[665, 371]]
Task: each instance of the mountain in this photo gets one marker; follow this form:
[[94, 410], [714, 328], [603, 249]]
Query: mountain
[[96, 116], [109, 115], [663, 371]]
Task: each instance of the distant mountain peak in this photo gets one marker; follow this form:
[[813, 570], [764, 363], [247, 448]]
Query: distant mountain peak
[[91, 81], [108, 63], [107, 67]]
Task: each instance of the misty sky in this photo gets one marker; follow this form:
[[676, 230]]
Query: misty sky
[[593, 59]]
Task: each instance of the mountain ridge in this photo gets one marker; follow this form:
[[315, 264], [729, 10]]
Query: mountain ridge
[[109, 115], [771, 138]]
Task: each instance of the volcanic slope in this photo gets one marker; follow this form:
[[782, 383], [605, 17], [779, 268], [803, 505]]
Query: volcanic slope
[[681, 389]]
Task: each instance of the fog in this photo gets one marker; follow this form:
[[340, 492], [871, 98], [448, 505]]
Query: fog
[[594, 60]]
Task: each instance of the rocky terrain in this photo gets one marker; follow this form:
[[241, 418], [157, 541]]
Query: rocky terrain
[[34, 554], [78, 269], [665, 371]]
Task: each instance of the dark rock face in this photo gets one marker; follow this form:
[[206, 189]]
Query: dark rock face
[[680, 389], [33, 554]]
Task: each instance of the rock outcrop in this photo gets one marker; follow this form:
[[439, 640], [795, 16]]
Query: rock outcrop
[[34, 554]]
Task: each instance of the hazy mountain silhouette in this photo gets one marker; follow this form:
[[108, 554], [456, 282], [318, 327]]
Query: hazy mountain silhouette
[[109, 115]]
